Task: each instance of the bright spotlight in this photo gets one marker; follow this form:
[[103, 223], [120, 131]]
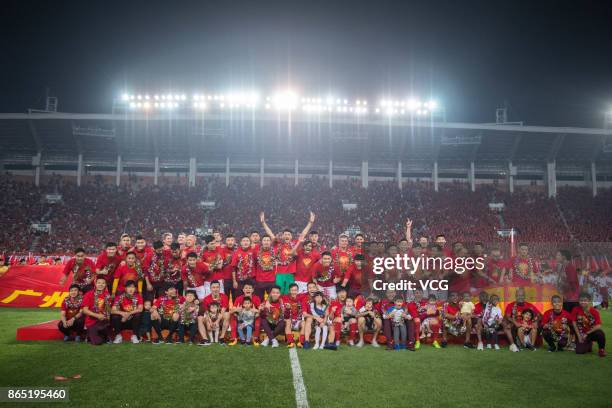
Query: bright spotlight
[[433, 105], [286, 100], [412, 104], [125, 97], [139, 97], [132, 105]]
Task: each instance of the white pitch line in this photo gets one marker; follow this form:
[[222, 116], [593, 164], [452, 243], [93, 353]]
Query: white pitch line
[[301, 399]]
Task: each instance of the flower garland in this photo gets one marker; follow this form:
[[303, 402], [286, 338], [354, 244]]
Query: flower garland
[[245, 271], [517, 270], [281, 254], [337, 260], [273, 314], [173, 273], [131, 298], [82, 278], [190, 278], [106, 303], [266, 266], [73, 303], [329, 274], [156, 269], [188, 317], [167, 312]]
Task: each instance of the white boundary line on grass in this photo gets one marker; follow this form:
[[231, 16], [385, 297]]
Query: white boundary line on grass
[[301, 399]]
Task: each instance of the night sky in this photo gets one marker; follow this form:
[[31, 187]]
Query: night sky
[[550, 62]]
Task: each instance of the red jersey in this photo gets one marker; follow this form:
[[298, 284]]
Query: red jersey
[[495, 267], [174, 270], [273, 311], [522, 269], [515, 310], [324, 275], [126, 303], [419, 308], [243, 263], [167, 306], [355, 276], [215, 261], [222, 300], [585, 320], [285, 262], [123, 251], [72, 306], [97, 302], [304, 263], [294, 308], [254, 299], [127, 273], [187, 250], [558, 322], [265, 264], [451, 309], [195, 276], [356, 249], [478, 310], [382, 306], [103, 261], [227, 268], [143, 256], [82, 274], [342, 259], [156, 268]]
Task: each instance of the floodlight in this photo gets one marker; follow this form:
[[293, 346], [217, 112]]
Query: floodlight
[[125, 97]]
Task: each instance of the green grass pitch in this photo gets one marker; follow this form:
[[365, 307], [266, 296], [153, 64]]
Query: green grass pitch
[[144, 375]]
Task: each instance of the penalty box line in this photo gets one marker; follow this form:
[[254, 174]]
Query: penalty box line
[[301, 398]]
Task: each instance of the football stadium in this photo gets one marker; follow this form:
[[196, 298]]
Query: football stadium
[[225, 245]]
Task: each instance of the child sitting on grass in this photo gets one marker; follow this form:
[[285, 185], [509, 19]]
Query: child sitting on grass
[[245, 317], [398, 315], [527, 331], [491, 321], [189, 316]]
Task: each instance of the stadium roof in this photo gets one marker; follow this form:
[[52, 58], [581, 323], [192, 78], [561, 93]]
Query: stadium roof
[[139, 137]]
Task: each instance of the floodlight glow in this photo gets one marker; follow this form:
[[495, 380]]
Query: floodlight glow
[[412, 104], [147, 105], [156, 97], [147, 97], [329, 100], [125, 97], [139, 97], [132, 105], [425, 111], [285, 100], [433, 105]]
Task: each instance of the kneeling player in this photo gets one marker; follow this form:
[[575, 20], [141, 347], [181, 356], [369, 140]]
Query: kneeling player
[[72, 318], [165, 315], [294, 316], [126, 313]]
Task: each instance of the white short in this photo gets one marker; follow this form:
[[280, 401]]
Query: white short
[[329, 291], [201, 291], [302, 286]]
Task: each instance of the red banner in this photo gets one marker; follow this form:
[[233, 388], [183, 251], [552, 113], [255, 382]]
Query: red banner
[[32, 286]]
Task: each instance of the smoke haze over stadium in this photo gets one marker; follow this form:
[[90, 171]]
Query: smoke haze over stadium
[[546, 60]]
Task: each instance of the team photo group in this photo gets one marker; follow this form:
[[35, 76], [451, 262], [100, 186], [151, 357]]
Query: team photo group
[[258, 288]]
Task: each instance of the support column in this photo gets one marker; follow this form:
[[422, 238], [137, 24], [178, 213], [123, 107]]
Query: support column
[[261, 173], [435, 176], [399, 174], [364, 174], [79, 169], [510, 178], [472, 177], [118, 173], [297, 172], [156, 171], [36, 162], [192, 171], [594, 178], [551, 176], [331, 173], [227, 171]]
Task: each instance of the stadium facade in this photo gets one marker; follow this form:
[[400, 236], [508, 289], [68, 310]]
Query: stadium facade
[[191, 144]]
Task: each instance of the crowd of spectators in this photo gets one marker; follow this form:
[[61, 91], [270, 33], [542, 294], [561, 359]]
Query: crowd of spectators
[[99, 211]]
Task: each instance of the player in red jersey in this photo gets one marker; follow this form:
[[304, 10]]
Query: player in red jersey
[[181, 237], [223, 301], [194, 275], [441, 242], [165, 313], [357, 248], [129, 271], [126, 313], [317, 247], [368, 319], [218, 238], [83, 271], [227, 252], [212, 256], [325, 275], [523, 269], [285, 256], [255, 238], [125, 246], [143, 251], [513, 317], [306, 258], [155, 272], [107, 263], [173, 276], [294, 316], [342, 256], [248, 289], [97, 305], [343, 317], [454, 323], [556, 325], [167, 239], [191, 242], [272, 317], [265, 267], [355, 276], [497, 270], [567, 282], [243, 266], [587, 326], [417, 309], [72, 320]]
